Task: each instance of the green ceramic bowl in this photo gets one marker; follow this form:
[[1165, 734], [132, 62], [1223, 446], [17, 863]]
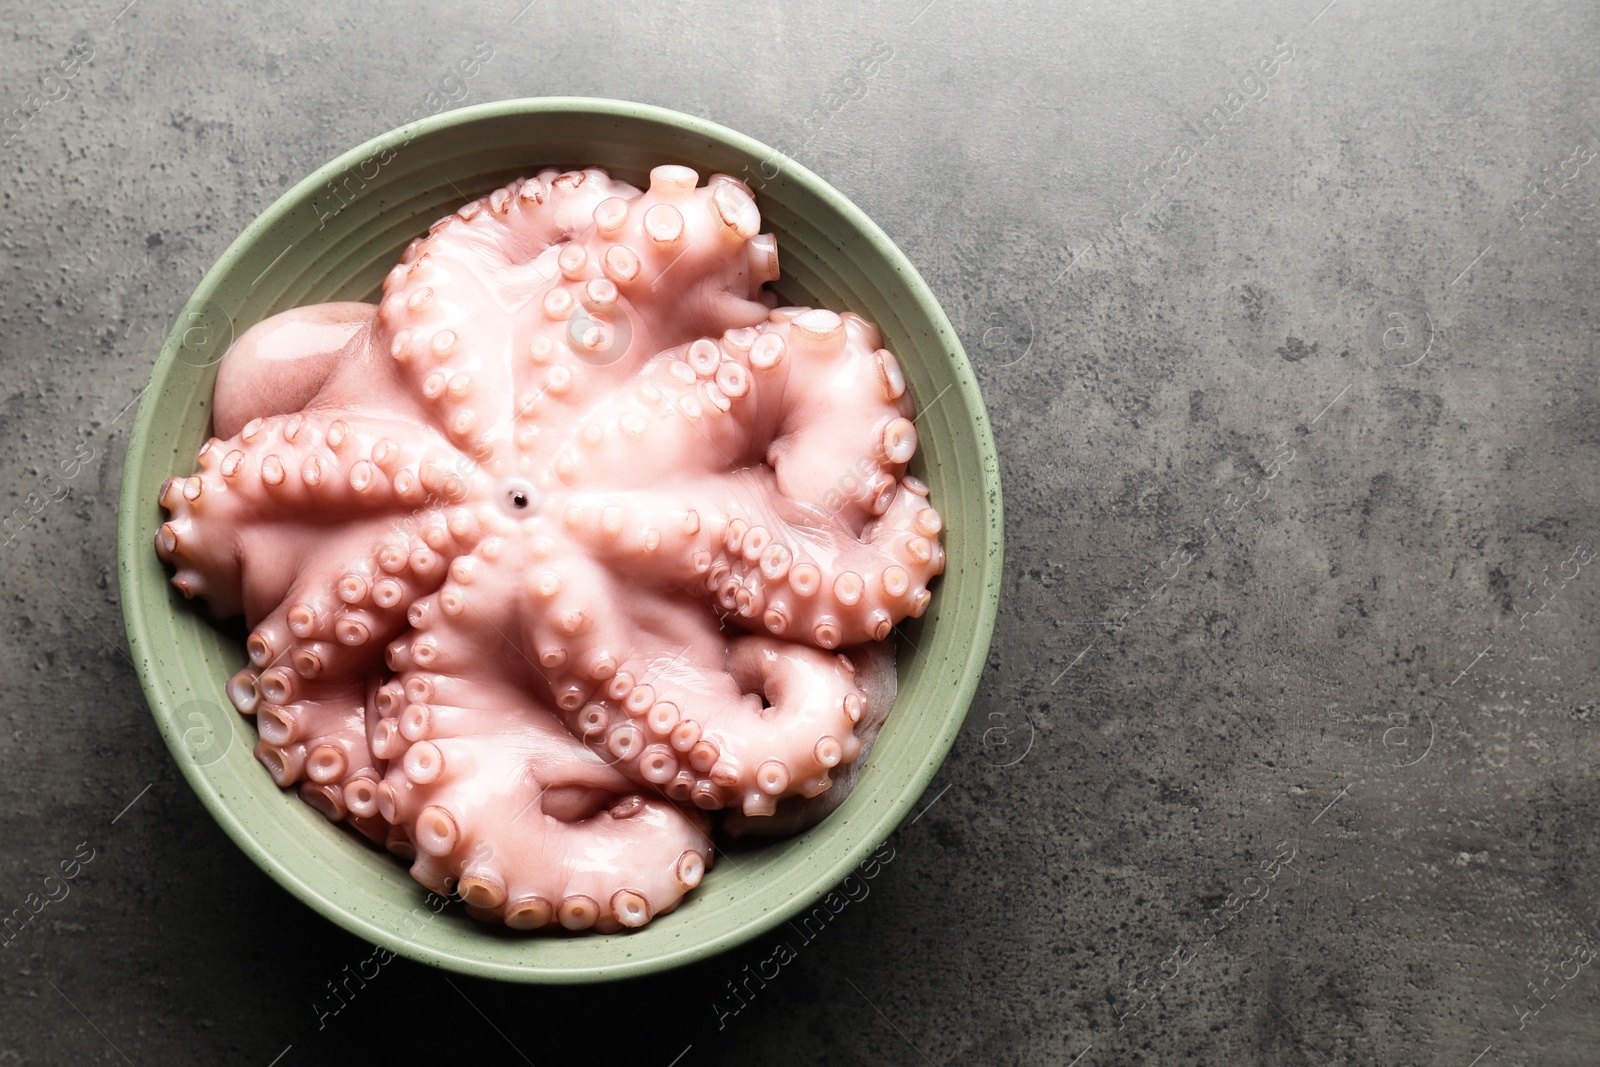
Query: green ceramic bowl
[[333, 237]]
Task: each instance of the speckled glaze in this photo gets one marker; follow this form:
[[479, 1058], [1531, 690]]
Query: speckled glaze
[[295, 254]]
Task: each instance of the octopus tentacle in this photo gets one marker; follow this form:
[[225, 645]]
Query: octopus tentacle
[[775, 565], [809, 387], [679, 256], [320, 741], [815, 705], [649, 274], [653, 539], [580, 302], [493, 792], [294, 465], [306, 682], [636, 436], [874, 667], [488, 255], [320, 737], [814, 583], [684, 712], [529, 829], [844, 433], [337, 630], [760, 721]]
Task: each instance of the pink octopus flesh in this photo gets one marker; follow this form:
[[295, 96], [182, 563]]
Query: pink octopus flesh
[[554, 550]]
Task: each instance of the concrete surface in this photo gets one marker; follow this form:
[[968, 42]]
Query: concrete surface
[[1277, 770]]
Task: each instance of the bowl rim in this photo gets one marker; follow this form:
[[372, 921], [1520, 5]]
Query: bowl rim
[[875, 826]]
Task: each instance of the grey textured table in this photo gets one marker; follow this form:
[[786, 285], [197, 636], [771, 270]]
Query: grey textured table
[[1285, 316]]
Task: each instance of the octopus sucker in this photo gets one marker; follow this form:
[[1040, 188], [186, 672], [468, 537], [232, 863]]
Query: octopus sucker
[[328, 799], [573, 547], [242, 692]]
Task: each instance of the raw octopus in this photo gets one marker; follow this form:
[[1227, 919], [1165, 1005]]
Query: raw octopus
[[560, 547]]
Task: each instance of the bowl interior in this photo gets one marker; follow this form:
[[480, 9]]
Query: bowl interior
[[333, 237]]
